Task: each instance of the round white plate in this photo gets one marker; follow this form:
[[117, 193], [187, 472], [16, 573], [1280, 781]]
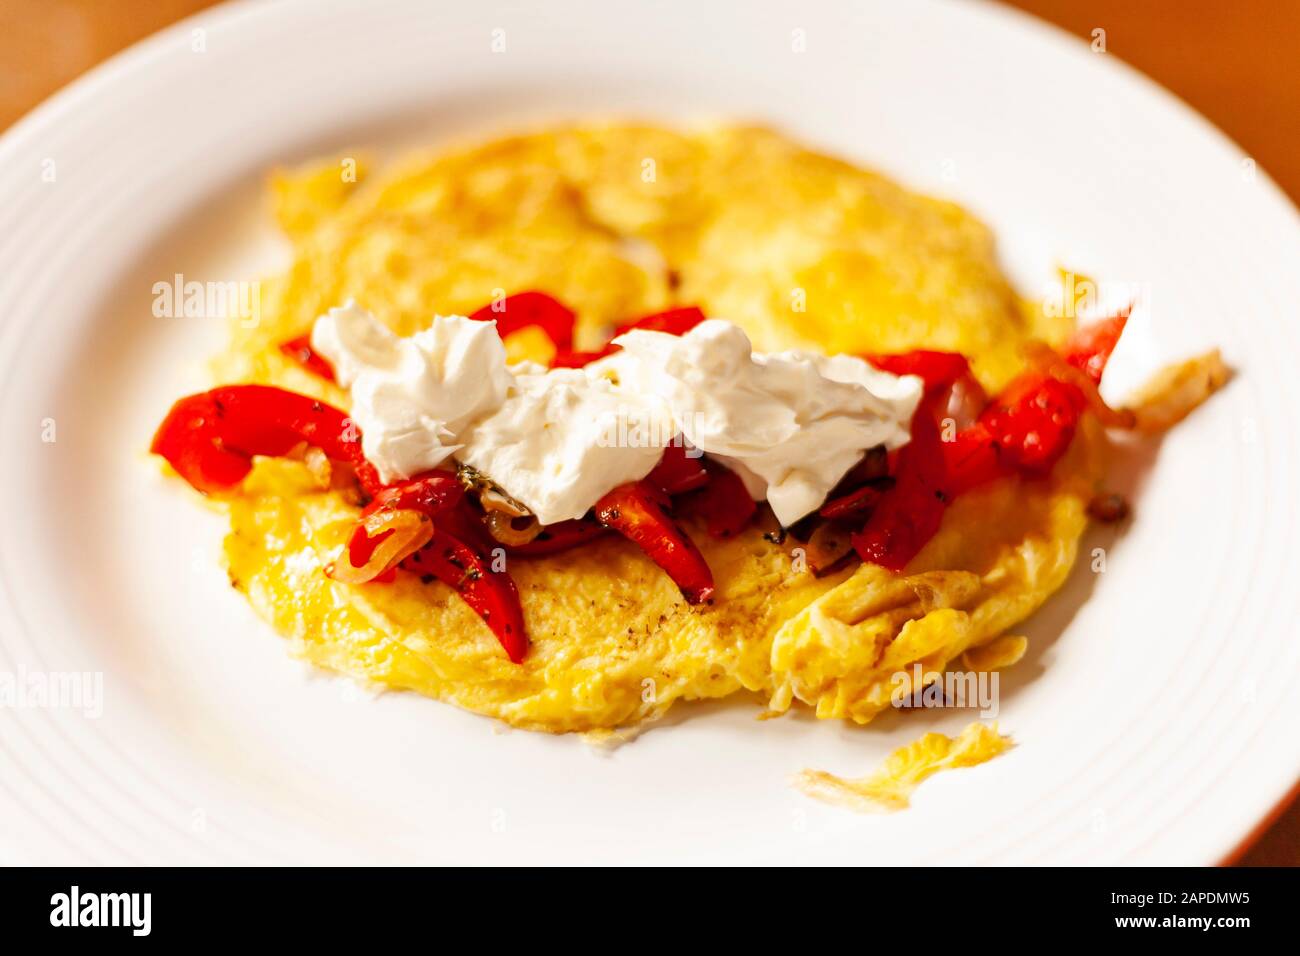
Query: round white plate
[[1155, 717]]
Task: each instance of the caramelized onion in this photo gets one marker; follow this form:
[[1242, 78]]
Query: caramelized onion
[[395, 535], [1062, 371], [502, 526], [494, 501], [318, 464], [828, 544]]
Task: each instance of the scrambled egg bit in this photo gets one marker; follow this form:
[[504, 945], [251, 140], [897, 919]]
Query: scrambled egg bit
[[619, 221]]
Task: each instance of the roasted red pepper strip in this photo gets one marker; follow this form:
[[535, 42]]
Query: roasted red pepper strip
[[909, 515], [189, 439], [673, 322], [678, 471], [856, 504], [523, 309], [573, 359], [935, 369], [1030, 425], [491, 594], [466, 524], [1049, 362], [300, 351], [1033, 423], [724, 503], [558, 537], [1025, 430], [971, 459], [430, 494], [1090, 347], [210, 438], [265, 420], [636, 511]]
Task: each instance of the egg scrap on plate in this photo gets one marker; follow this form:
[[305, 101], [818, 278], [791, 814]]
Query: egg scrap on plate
[[870, 455]]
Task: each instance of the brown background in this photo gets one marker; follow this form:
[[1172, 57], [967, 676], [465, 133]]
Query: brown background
[[1233, 60]]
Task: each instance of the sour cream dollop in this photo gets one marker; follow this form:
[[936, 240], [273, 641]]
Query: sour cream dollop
[[413, 398], [556, 440], [790, 423], [559, 442]]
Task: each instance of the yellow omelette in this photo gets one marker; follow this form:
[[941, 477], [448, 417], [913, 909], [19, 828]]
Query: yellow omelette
[[618, 221]]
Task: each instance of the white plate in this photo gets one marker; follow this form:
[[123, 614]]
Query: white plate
[[1156, 716]]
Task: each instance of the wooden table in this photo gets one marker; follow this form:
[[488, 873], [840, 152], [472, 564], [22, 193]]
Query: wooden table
[[1234, 60]]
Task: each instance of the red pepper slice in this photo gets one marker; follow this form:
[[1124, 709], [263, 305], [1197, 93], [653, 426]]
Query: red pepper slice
[[188, 438], [265, 420], [972, 459], [1050, 362], [523, 309], [492, 595], [467, 524], [724, 503], [430, 494], [1034, 422], [557, 537], [210, 438], [673, 322], [677, 471], [1030, 425], [1090, 347], [909, 515], [935, 369], [573, 359], [856, 504], [636, 511], [1025, 430], [300, 351]]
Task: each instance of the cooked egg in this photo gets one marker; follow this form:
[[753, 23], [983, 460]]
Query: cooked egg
[[890, 786], [803, 251]]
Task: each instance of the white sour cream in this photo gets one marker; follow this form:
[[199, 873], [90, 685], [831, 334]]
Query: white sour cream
[[413, 397], [556, 445], [790, 423]]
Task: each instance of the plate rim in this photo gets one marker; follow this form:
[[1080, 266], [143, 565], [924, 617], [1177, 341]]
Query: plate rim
[[101, 77]]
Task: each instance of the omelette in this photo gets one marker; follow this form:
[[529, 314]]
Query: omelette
[[799, 249]]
